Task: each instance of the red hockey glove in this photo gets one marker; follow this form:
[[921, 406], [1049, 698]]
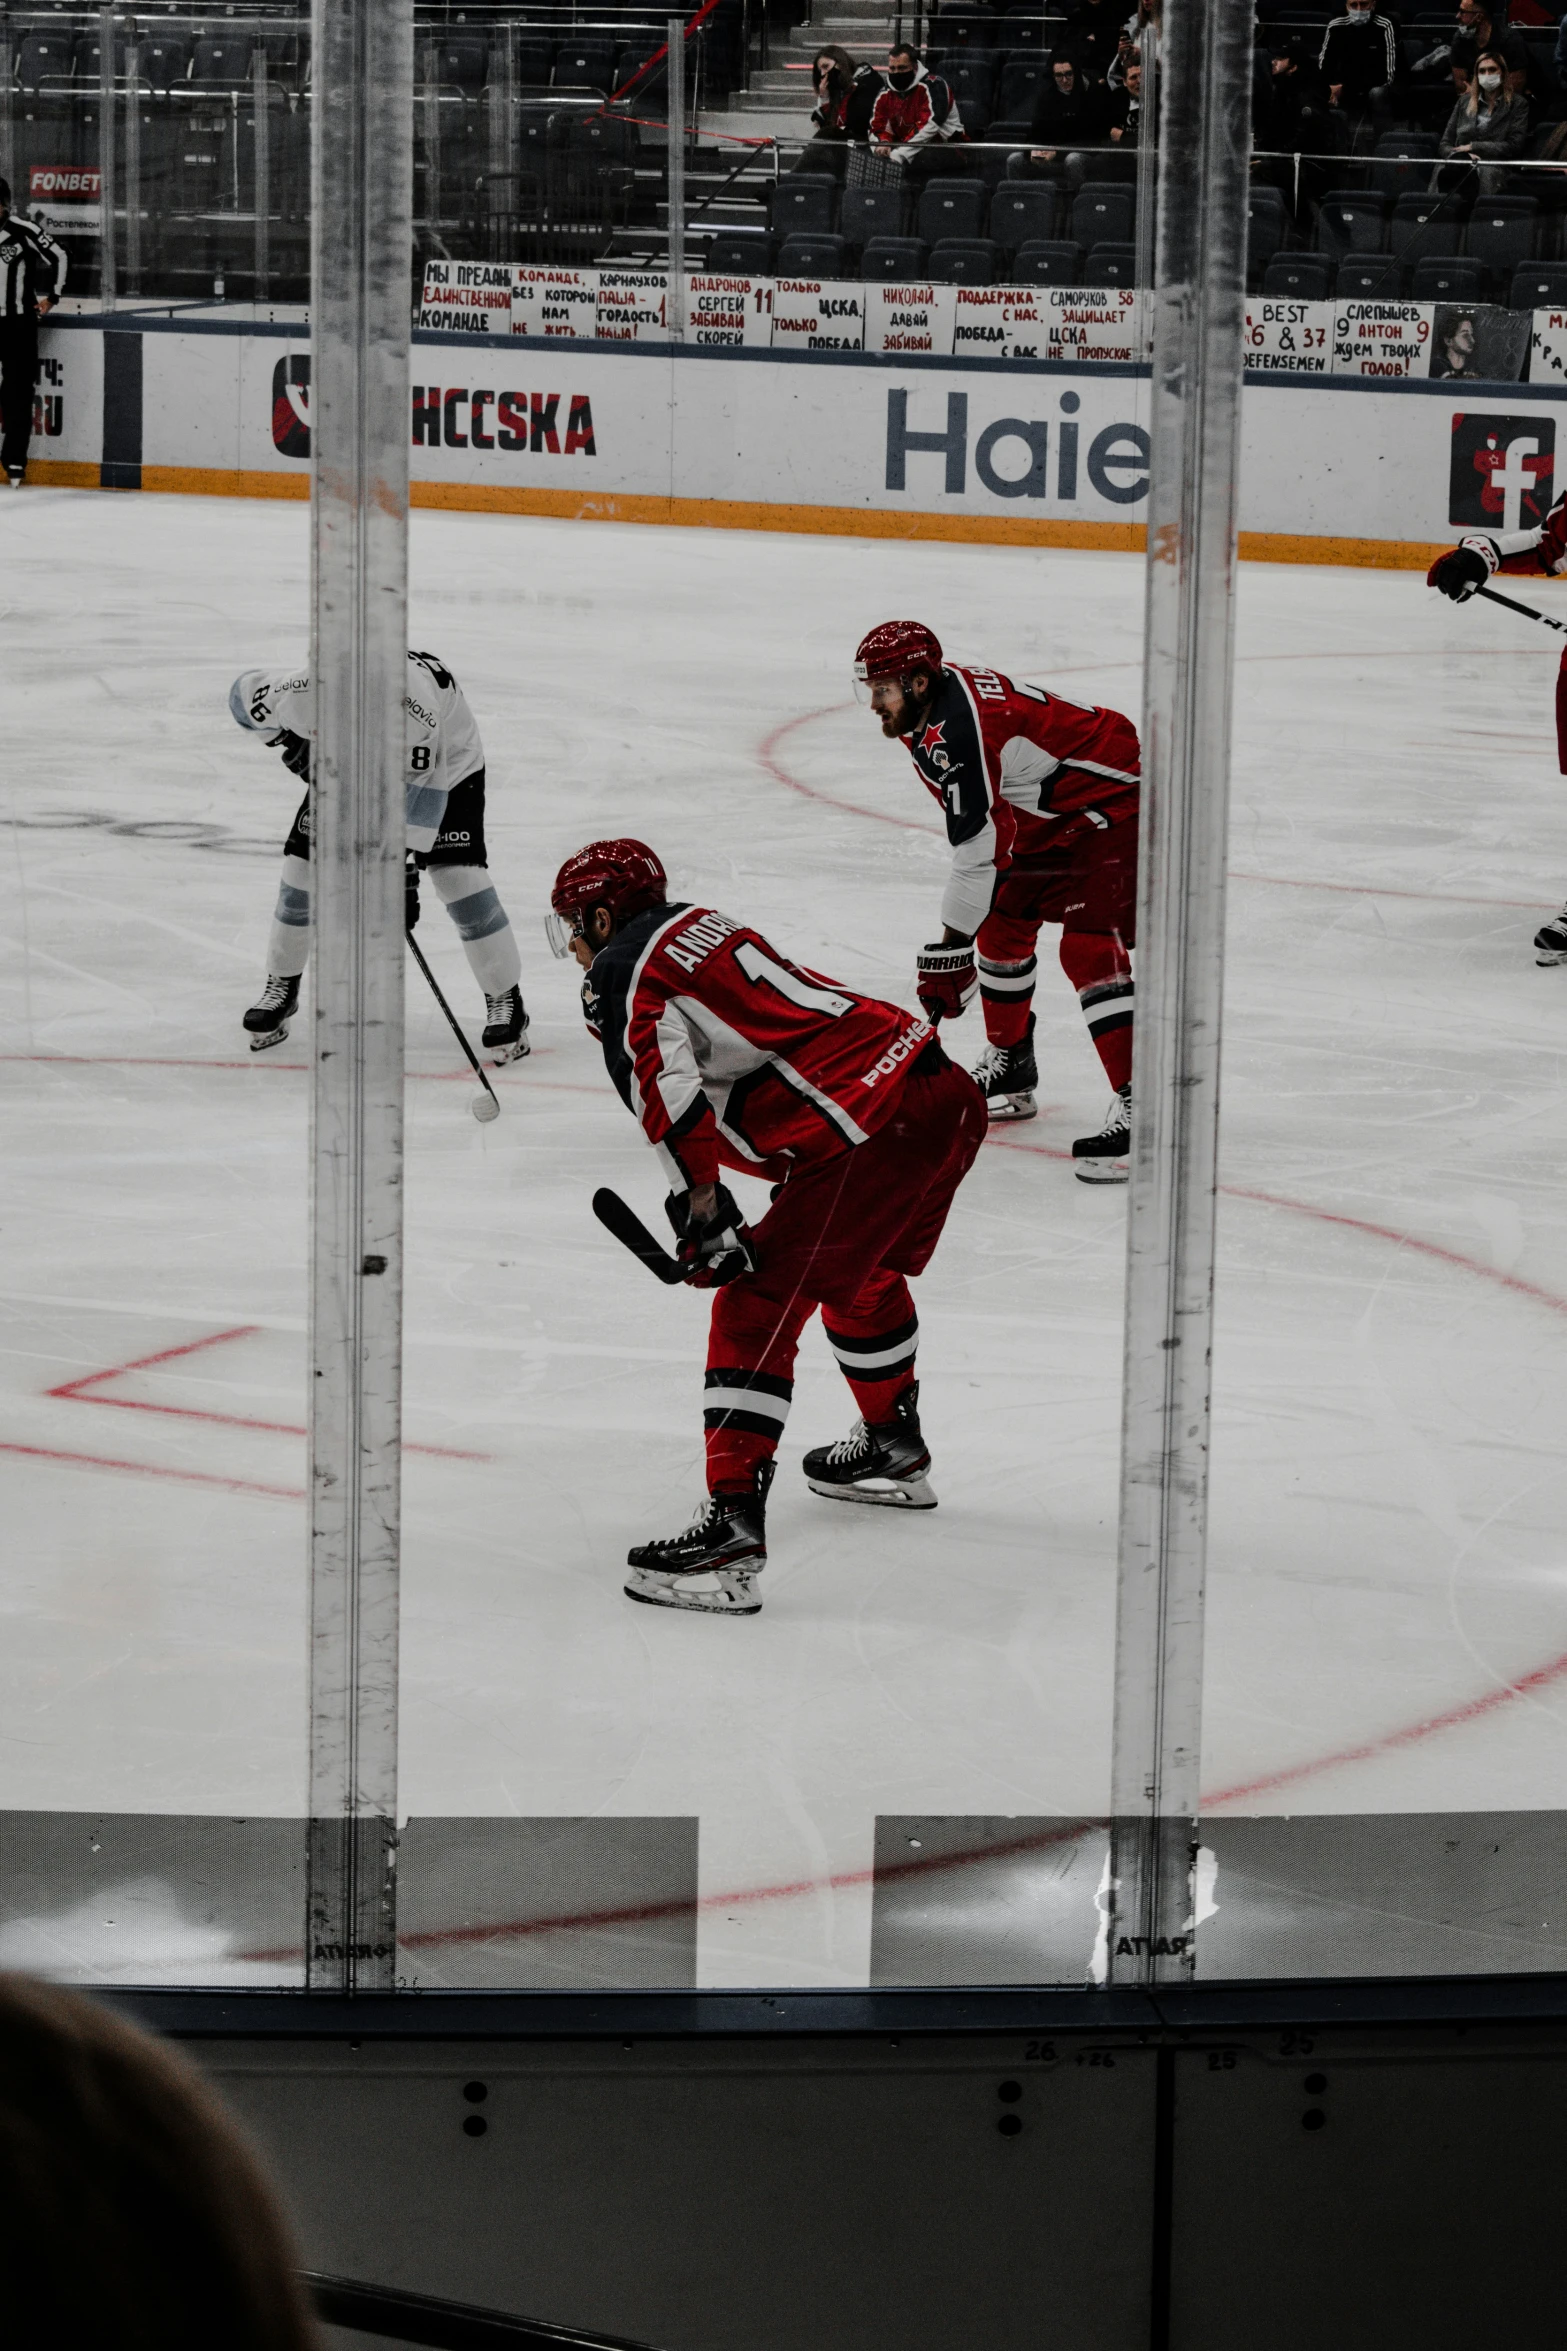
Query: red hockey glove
[[945, 980], [1464, 568], [717, 1250]]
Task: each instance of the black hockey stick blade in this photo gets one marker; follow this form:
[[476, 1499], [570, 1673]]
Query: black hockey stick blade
[[1528, 610], [632, 1233]]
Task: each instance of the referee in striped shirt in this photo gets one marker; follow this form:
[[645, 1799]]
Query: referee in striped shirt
[[32, 272]]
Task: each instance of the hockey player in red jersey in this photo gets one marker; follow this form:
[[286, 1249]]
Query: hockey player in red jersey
[[1040, 797], [731, 1056], [1466, 568]]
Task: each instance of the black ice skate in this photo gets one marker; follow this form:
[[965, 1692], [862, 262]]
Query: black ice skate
[[1105, 1158], [726, 1544], [268, 1018], [1006, 1075], [886, 1464], [1550, 943], [506, 1031]]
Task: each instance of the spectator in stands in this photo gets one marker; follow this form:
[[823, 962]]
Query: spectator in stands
[[131, 2211], [1300, 121], [1069, 113], [1126, 108], [845, 94], [1359, 61], [32, 272], [1482, 24], [1487, 128], [914, 120]]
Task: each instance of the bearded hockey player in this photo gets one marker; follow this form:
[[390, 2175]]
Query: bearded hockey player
[[1040, 797], [731, 1056], [444, 799], [1466, 568]]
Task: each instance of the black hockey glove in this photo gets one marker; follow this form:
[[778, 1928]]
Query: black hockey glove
[[295, 751], [1464, 568], [410, 896], [717, 1251]]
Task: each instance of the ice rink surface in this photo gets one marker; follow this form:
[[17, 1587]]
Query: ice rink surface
[[1386, 1628]]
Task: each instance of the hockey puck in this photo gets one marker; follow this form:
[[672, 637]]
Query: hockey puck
[[484, 1108]]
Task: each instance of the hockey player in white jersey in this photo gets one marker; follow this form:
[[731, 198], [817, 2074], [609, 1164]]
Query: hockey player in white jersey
[[444, 796]]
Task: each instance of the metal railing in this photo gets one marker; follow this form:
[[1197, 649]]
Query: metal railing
[[400, 2317]]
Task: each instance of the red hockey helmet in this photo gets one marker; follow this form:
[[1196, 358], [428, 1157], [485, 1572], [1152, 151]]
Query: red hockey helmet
[[626, 876], [895, 649]]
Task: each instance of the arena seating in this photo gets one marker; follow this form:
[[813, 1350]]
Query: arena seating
[[1103, 213], [1299, 277], [812, 256], [1044, 262], [740, 252], [1023, 212], [886, 259], [1369, 277], [1539, 285], [1111, 265], [1448, 280], [871, 212], [803, 204], [965, 261], [951, 208]]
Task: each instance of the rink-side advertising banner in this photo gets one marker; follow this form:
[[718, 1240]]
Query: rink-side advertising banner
[[786, 421]]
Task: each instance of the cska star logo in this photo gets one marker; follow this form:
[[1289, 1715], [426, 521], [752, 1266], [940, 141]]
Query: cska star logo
[[933, 745]]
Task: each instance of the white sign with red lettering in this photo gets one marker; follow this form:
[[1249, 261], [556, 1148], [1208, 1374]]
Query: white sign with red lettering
[[817, 315], [560, 303], [732, 312], [1289, 338], [467, 297], [914, 318], [632, 306], [1391, 339]]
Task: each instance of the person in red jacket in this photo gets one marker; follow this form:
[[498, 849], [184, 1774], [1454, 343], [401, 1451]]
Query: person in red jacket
[[1465, 569], [731, 1056], [1040, 797], [915, 119]]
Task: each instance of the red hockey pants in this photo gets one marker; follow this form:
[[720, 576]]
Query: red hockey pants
[[843, 1236], [1091, 890]]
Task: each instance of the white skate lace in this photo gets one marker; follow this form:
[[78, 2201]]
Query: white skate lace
[[851, 1447], [704, 1518], [499, 1007], [275, 992], [992, 1063], [1120, 1117]]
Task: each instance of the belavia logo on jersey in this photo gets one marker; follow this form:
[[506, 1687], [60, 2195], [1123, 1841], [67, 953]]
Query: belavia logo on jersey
[[449, 417], [1502, 468]]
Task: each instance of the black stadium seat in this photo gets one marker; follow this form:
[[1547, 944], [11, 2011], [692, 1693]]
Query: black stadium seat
[[1043, 263], [1501, 234], [1299, 277], [965, 261], [812, 257], [886, 259], [1023, 212], [951, 208], [1370, 277], [1422, 225], [1448, 279], [1103, 213], [740, 251], [803, 205], [1111, 265], [1021, 81], [1352, 220], [1540, 285], [584, 65], [1267, 230], [870, 212], [461, 60]]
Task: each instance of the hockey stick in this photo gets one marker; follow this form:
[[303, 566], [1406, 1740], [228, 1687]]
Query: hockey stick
[[1527, 610], [632, 1233], [451, 1019]]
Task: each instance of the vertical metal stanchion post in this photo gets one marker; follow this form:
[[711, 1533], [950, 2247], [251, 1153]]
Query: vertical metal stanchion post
[[1189, 655], [7, 73], [108, 177], [261, 163], [132, 160], [1147, 180], [433, 204], [503, 115], [361, 191], [675, 309]]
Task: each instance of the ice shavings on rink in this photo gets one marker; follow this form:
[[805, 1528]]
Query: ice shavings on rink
[[1386, 1628]]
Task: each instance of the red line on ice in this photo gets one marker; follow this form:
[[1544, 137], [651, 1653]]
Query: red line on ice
[[73, 1392], [148, 1469]]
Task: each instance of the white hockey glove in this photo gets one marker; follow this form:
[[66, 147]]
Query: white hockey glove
[[717, 1250], [1464, 568], [945, 980]]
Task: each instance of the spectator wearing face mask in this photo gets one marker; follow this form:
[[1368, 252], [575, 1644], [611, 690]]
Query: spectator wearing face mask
[[1359, 60], [1482, 24], [845, 94], [1486, 129], [915, 118]]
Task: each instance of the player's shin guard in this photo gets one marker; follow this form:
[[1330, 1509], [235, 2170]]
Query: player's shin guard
[[482, 924], [1006, 990], [1100, 969], [743, 1418], [878, 1365], [288, 943]]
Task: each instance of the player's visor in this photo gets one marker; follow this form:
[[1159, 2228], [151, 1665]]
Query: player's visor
[[560, 934], [862, 685]]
